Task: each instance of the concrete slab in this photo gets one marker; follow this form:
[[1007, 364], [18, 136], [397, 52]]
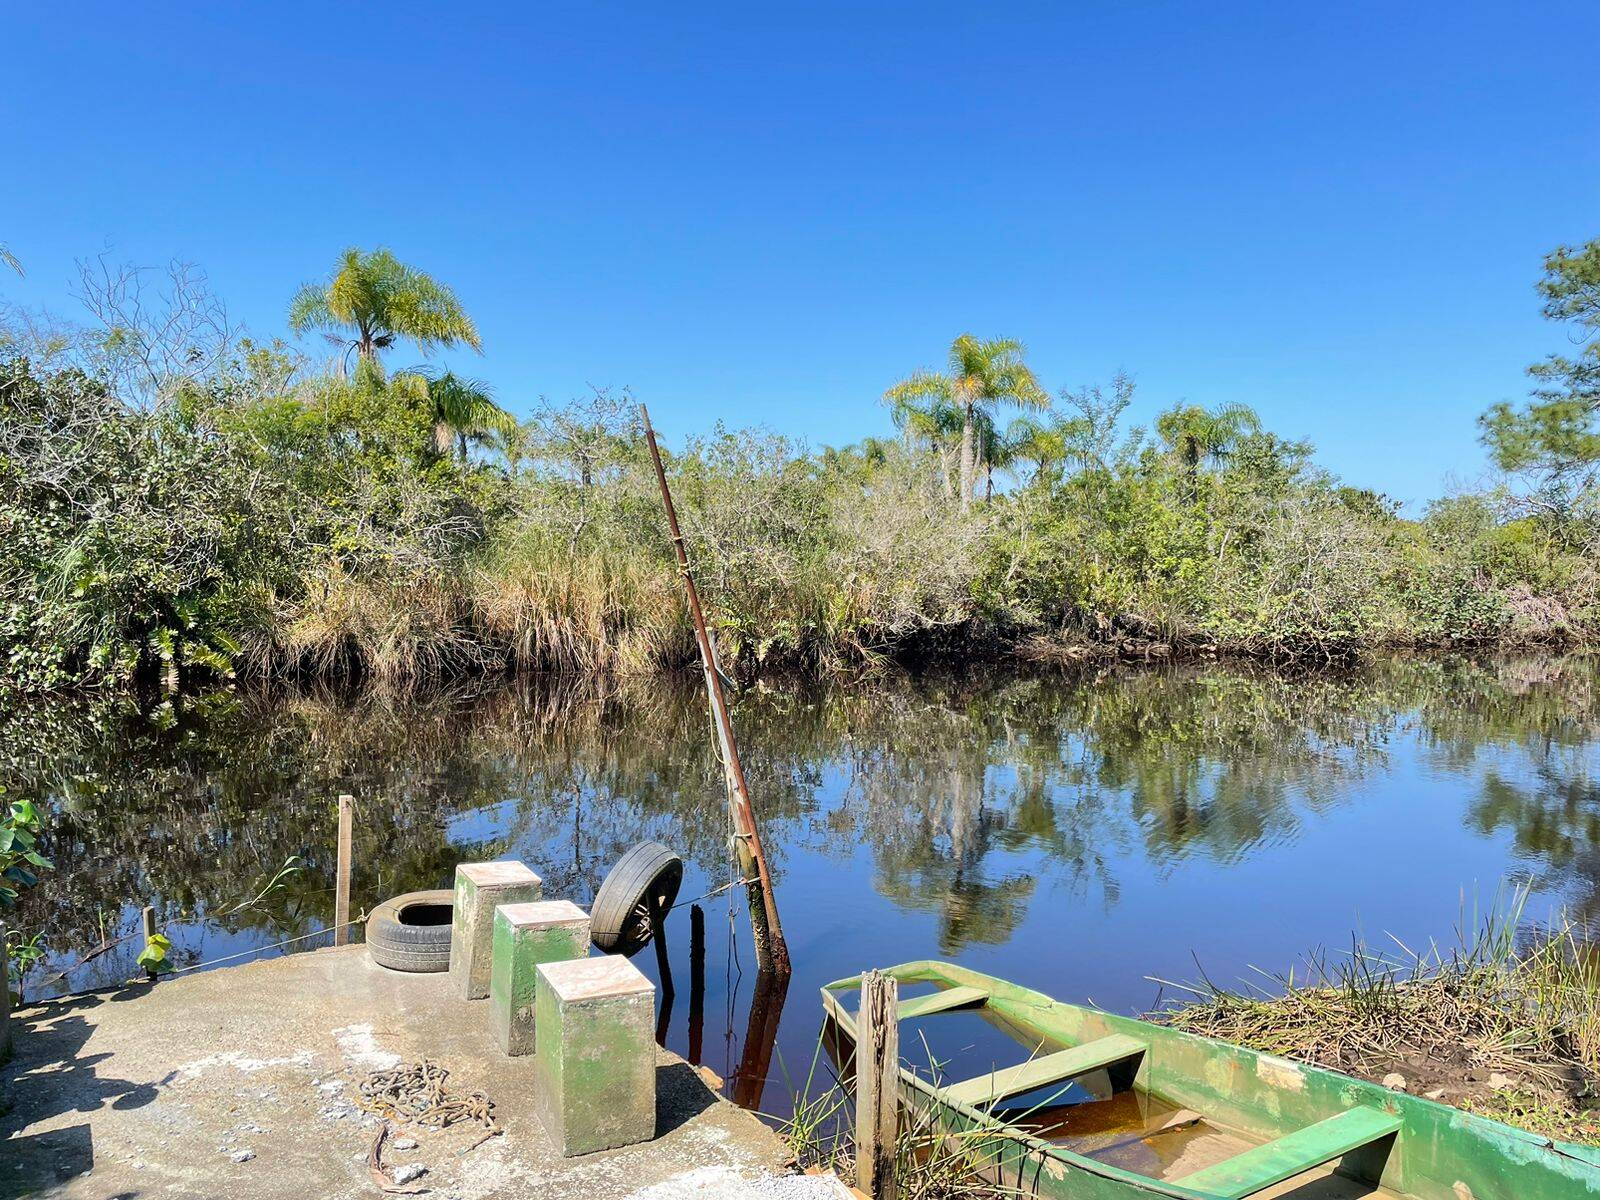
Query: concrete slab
[[242, 1082]]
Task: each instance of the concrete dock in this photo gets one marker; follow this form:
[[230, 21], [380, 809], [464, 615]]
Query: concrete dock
[[243, 1081]]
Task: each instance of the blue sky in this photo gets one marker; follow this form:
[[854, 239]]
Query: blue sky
[[1335, 214]]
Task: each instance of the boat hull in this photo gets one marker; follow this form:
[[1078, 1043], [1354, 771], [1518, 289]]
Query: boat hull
[[1437, 1152]]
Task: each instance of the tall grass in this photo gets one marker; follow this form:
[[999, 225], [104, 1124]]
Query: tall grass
[[1508, 999], [932, 1160]]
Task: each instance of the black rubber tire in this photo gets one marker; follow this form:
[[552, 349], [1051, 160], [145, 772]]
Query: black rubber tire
[[646, 878], [406, 945]]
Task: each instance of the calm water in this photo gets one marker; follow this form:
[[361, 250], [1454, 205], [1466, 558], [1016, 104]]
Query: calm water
[[1079, 833]]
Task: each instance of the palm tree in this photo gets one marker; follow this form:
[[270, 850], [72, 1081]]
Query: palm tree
[[1045, 444], [992, 451], [933, 422], [980, 376], [372, 300], [10, 259], [459, 408], [1196, 435]]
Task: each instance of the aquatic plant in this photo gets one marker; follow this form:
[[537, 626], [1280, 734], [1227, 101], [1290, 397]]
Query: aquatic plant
[[931, 1160], [20, 860]]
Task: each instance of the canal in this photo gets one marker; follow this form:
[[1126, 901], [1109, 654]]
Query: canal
[[1085, 833]]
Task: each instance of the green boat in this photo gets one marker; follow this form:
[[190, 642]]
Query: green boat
[[1132, 1109]]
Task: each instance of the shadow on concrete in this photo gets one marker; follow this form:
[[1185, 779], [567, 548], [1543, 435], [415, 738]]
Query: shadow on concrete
[[681, 1096], [51, 1072], [32, 1163]]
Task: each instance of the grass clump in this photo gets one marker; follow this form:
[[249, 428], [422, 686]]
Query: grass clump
[[1505, 1023], [932, 1160]]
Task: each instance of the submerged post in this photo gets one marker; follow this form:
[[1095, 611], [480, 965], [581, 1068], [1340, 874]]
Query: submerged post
[[341, 886], [772, 952], [877, 1085], [697, 982]]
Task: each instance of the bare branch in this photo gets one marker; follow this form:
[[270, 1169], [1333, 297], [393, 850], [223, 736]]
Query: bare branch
[[158, 330]]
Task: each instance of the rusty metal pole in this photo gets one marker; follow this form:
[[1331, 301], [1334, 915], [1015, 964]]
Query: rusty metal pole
[[772, 953]]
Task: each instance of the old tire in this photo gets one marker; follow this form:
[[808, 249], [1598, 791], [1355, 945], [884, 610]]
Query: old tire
[[644, 881], [412, 932]]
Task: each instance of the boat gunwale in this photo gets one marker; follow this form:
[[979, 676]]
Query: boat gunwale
[[950, 974], [1035, 1145]]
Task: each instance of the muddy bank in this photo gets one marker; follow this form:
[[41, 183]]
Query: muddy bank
[[1506, 1025]]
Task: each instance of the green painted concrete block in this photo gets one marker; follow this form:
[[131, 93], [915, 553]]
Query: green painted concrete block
[[526, 935], [480, 889], [595, 1065]]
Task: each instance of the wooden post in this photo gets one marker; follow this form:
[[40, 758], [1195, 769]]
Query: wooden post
[[149, 916], [772, 952], [341, 886], [877, 1085]]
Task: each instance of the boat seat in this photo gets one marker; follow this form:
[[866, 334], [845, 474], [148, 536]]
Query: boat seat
[[937, 1002], [1262, 1166], [1051, 1068]]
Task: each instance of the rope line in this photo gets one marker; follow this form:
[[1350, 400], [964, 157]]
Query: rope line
[[212, 962], [716, 891]]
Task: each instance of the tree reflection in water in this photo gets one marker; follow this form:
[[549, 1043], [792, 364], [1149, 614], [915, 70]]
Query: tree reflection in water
[[962, 797]]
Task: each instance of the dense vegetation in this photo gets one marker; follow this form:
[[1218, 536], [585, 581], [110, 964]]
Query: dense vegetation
[[179, 502]]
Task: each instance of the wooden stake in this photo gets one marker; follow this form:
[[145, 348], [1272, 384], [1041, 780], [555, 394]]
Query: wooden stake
[[772, 952], [149, 916], [341, 886], [877, 1085]]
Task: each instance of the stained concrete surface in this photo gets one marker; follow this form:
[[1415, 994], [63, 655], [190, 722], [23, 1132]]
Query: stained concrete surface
[[157, 1091]]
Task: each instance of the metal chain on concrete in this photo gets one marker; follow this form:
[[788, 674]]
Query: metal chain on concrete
[[416, 1093]]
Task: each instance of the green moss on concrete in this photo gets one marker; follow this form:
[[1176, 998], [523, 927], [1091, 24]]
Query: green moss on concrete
[[513, 977]]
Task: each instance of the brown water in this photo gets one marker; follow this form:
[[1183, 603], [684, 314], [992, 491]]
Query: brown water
[[1078, 833]]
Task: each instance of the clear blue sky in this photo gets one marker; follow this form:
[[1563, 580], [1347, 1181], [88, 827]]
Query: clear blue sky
[[1334, 215]]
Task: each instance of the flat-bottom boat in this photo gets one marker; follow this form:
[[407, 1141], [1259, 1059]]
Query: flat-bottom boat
[[1104, 1107]]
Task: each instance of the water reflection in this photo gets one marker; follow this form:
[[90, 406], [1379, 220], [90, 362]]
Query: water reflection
[[967, 806]]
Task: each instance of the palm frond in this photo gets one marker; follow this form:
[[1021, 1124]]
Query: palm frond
[[310, 310]]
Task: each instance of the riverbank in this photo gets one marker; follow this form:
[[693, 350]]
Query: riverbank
[[1505, 1023], [245, 1081], [281, 523]]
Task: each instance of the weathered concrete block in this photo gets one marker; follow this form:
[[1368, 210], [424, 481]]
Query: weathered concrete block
[[595, 1065], [480, 889], [526, 935]]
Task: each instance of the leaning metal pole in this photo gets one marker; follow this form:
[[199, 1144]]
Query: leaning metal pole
[[772, 953]]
